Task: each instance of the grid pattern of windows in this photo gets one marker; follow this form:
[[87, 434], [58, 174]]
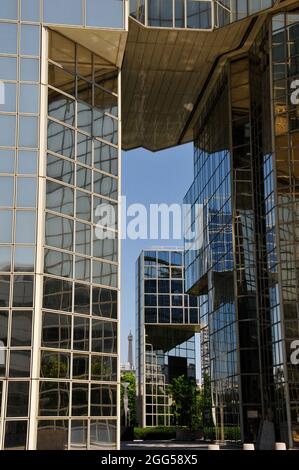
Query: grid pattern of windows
[[227, 11], [82, 13], [285, 53], [164, 351], [19, 142], [78, 371], [191, 14]]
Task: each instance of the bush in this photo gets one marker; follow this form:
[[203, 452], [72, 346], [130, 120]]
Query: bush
[[230, 433], [155, 433]]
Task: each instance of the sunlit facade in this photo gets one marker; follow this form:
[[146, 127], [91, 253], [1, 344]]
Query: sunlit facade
[[166, 322], [59, 160]]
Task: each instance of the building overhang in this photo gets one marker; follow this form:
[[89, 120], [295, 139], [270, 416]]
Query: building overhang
[[109, 44], [166, 336], [166, 72]]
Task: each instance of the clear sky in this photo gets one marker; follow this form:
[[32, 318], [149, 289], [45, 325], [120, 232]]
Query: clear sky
[[147, 178]]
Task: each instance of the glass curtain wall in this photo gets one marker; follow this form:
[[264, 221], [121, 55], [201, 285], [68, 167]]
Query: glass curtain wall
[[78, 372], [164, 351], [190, 14], [227, 11], [19, 148], [285, 74]]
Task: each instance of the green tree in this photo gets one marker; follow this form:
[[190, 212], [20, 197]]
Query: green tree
[[205, 401], [130, 378], [186, 402]]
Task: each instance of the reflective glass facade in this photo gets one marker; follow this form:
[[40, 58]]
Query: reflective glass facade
[[166, 321], [194, 14], [59, 161], [245, 270]]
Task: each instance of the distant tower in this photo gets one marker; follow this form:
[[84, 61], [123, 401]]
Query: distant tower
[[130, 350]]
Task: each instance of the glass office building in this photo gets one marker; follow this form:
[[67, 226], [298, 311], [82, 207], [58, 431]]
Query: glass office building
[[79, 81], [59, 149], [245, 271], [166, 322]]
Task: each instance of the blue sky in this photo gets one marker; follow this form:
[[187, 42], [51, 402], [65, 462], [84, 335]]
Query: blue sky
[[161, 177]]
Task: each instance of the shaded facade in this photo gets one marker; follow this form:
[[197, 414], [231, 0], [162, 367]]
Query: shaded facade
[[166, 322]]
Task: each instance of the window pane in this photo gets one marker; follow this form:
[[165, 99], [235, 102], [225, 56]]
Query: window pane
[[3, 329], [26, 192], [56, 331], [84, 149], [83, 238], [61, 139], [6, 191], [104, 302], [60, 169], [4, 291], [57, 294], [103, 434], [105, 185], [103, 400], [30, 10], [30, 37], [8, 38], [55, 365], [19, 363], [59, 198], [105, 274], [5, 259], [61, 49], [28, 131], [58, 263], [104, 368], [52, 435], [83, 205], [104, 336], [7, 130], [9, 104], [8, 68], [79, 434], [21, 328], [7, 161], [29, 98], [105, 157], [84, 178], [25, 227], [82, 299], [54, 399], [61, 107], [79, 399], [59, 232], [80, 366], [60, 78], [29, 70], [15, 435], [17, 399], [27, 162], [24, 259], [6, 226], [9, 10], [23, 291], [81, 334], [71, 13], [103, 14]]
